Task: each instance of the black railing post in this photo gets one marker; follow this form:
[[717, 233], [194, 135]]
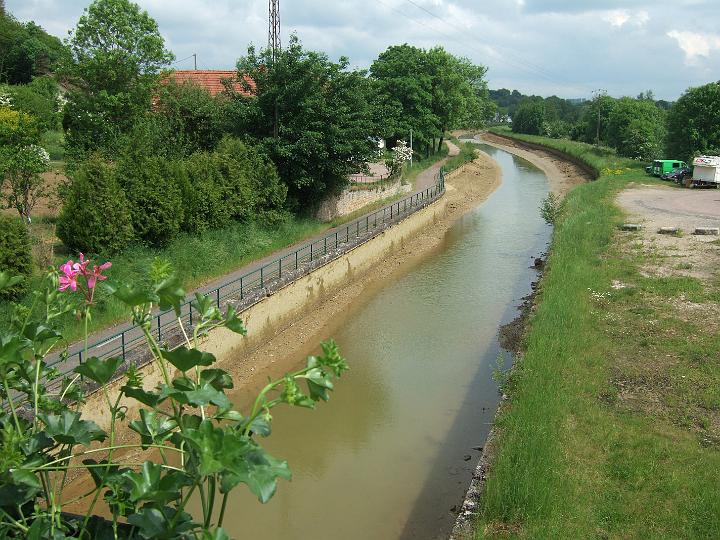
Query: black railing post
[[262, 283], [158, 323], [217, 297], [241, 288], [279, 267], [122, 344]]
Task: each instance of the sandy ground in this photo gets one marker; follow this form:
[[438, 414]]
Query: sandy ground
[[685, 253], [562, 175]]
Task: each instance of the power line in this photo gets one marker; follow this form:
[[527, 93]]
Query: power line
[[193, 55]]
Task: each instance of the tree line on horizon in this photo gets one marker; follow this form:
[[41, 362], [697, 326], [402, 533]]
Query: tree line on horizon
[[638, 127]]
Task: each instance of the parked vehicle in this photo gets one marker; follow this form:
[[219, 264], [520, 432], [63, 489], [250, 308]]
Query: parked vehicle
[[660, 167], [678, 175], [706, 171]]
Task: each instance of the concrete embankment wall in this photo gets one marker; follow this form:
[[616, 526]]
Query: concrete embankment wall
[[351, 200], [271, 314]]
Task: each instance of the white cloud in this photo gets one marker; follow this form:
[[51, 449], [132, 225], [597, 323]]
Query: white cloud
[[620, 17], [695, 45]]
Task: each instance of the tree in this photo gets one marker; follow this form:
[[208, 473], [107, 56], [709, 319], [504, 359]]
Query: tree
[[530, 117], [15, 255], [694, 123], [310, 115], [636, 128], [403, 95], [116, 53], [26, 50], [594, 123], [22, 184]]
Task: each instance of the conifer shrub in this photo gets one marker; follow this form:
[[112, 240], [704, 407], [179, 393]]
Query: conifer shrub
[[15, 255], [203, 194], [154, 196], [96, 215], [251, 182]]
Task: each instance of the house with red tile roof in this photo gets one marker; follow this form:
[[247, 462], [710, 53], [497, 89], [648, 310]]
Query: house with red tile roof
[[213, 80]]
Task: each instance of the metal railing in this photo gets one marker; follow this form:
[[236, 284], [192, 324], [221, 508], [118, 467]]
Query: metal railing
[[253, 286]]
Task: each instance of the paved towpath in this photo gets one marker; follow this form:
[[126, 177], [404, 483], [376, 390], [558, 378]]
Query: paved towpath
[[426, 178]]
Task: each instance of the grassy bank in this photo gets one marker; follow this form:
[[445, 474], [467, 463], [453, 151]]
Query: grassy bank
[[612, 429], [602, 159], [419, 165]]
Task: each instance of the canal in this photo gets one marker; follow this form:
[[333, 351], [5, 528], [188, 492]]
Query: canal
[[393, 451]]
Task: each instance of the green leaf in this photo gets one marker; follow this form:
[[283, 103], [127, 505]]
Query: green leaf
[[101, 475], [260, 426], [132, 295], [185, 359], [217, 534], [146, 398], [6, 281], [25, 478], [154, 523], [170, 294], [233, 322], [149, 484], [68, 428], [153, 428], [12, 349], [206, 307], [259, 471], [100, 371], [216, 448], [218, 378]]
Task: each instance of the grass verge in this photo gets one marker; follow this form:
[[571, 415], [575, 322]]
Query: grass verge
[[612, 429]]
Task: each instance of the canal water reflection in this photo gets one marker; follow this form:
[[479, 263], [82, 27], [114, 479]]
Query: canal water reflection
[[387, 457]]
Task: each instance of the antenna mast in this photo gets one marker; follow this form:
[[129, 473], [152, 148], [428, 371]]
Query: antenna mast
[[274, 27]]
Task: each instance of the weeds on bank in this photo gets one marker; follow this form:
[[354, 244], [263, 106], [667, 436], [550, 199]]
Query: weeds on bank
[[613, 424]]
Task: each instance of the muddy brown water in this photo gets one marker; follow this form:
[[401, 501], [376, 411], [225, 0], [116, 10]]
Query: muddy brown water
[[392, 453]]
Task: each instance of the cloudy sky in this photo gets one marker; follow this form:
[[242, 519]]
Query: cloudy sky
[[563, 47]]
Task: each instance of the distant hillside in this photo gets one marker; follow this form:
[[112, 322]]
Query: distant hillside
[[567, 110], [26, 50]]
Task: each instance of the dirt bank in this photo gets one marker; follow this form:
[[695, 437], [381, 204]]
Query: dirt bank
[[562, 175]]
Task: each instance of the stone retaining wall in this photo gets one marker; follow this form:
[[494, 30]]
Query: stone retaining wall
[[350, 201]]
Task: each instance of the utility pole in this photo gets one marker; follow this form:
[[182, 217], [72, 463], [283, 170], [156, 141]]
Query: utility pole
[[274, 27], [195, 60], [597, 94]]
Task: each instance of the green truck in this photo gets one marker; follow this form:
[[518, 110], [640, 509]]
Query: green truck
[[660, 167]]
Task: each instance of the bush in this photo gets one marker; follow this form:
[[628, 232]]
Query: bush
[[203, 194], [96, 216], [251, 184], [15, 254], [39, 99], [154, 196]]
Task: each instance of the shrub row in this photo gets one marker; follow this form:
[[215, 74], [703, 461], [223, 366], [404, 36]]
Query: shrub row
[[150, 199]]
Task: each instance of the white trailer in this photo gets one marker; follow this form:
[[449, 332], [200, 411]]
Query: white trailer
[[706, 171]]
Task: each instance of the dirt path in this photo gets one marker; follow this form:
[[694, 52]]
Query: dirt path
[[427, 178], [562, 175]]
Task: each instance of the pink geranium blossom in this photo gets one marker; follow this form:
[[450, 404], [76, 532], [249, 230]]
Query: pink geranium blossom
[[71, 271], [69, 277]]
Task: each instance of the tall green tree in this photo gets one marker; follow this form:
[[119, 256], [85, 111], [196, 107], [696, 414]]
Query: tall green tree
[[694, 122], [311, 115], [428, 91], [403, 97], [636, 128], [593, 126], [26, 50], [530, 117], [116, 53]]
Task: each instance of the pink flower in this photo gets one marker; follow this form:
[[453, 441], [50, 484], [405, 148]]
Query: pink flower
[[97, 274], [69, 279], [71, 270]]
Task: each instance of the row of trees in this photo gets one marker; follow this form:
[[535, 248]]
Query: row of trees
[[310, 121], [636, 127]]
